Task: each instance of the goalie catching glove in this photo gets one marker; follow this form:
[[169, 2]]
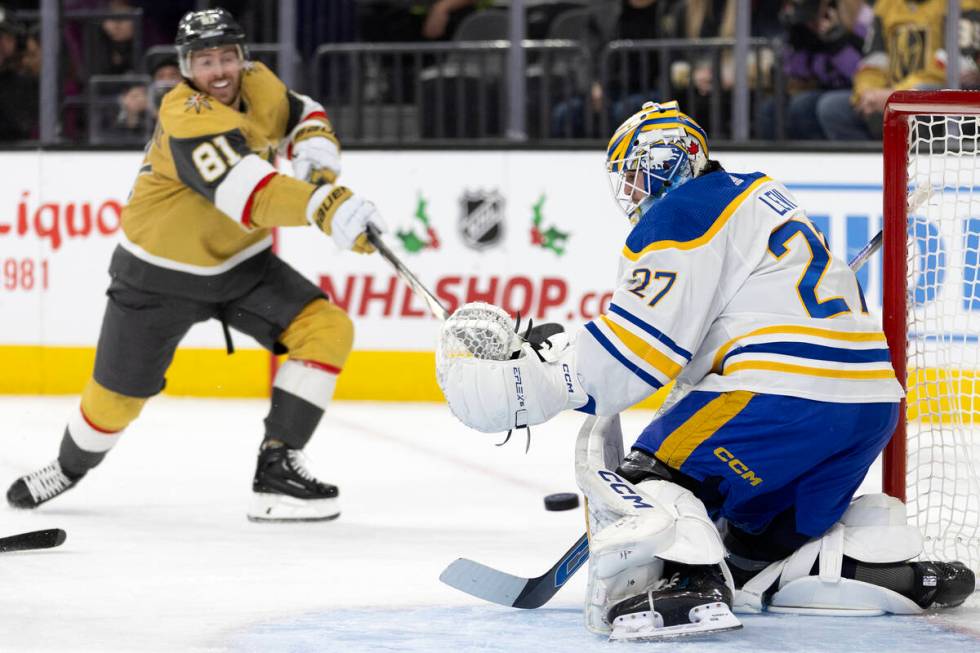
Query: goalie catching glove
[[344, 216], [496, 382]]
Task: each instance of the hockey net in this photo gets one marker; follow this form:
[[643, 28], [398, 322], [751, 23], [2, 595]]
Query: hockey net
[[931, 314]]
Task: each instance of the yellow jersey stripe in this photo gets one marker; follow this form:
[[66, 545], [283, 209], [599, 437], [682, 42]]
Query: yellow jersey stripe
[[789, 368], [866, 336], [643, 349], [720, 222], [700, 426]]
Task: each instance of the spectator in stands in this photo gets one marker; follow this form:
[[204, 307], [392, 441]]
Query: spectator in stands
[[160, 19], [696, 69], [113, 51], [9, 32], [165, 75], [30, 89], [432, 20], [911, 57], [138, 104], [824, 39], [627, 87], [18, 82], [441, 15], [131, 123]]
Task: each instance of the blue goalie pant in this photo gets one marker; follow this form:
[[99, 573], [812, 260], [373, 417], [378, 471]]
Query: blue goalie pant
[[755, 456]]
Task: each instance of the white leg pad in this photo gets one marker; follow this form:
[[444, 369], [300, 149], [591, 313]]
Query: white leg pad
[[633, 529], [874, 530]]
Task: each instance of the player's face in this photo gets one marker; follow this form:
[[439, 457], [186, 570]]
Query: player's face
[[634, 185], [218, 72]]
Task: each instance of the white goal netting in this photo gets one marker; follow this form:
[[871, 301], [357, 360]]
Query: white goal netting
[[943, 335]]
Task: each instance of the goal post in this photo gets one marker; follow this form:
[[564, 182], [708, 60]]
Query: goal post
[[931, 313]]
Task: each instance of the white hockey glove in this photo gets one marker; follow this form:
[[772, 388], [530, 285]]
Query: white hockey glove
[[499, 395], [315, 152], [316, 160], [344, 216]]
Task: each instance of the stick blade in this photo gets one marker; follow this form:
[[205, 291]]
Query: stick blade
[[45, 539], [483, 582]]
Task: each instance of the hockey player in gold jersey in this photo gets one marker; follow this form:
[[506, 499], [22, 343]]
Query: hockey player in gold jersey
[[195, 245], [905, 50]]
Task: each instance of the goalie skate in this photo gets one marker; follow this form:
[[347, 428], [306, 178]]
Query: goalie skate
[[285, 490], [693, 601]]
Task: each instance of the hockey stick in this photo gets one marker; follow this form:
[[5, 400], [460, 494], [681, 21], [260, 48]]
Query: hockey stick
[[435, 306], [866, 252], [46, 539], [499, 587]]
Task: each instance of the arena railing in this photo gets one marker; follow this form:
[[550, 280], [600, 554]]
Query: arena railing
[[405, 92], [668, 66], [397, 93], [81, 46]]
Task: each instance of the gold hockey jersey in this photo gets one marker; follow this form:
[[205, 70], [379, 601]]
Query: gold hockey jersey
[[906, 46], [207, 192]]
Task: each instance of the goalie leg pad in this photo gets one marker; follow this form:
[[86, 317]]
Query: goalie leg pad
[[635, 528], [874, 533]]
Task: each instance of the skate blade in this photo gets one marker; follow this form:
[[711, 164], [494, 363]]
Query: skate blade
[[706, 619], [282, 508]]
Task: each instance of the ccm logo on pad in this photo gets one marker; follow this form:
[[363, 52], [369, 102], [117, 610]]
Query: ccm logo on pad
[[622, 488]]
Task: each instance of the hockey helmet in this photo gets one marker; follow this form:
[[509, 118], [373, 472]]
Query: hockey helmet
[[208, 28], [653, 152]]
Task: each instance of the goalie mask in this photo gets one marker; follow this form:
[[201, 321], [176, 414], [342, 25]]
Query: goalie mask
[[653, 152], [208, 28]]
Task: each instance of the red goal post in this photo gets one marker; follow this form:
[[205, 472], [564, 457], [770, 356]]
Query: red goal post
[[931, 312]]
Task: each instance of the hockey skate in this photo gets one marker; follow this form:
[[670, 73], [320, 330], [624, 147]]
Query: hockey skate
[[688, 600], [32, 490], [285, 490]]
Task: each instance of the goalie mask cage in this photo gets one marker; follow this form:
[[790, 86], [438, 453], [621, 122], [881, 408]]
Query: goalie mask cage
[[931, 314]]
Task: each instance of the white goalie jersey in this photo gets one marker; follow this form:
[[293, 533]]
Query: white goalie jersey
[[727, 282]]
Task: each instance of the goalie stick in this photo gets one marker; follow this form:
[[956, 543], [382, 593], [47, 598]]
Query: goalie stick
[[45, 539], [499, 587]]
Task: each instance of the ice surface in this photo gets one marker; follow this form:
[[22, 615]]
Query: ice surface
[[160, 557]]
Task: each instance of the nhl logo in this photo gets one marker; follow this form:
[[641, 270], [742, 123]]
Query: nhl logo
[[481, 218]]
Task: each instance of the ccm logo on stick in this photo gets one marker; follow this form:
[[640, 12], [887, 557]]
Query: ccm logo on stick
[[622, 488]]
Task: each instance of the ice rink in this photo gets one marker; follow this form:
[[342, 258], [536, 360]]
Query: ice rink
[[160, 557]]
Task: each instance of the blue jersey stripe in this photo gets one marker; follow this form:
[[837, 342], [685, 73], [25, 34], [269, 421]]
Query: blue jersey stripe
[[813, 352], [650, 329], [609, 347]]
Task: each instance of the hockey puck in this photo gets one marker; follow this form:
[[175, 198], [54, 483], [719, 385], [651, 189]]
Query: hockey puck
[[561, 501]]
